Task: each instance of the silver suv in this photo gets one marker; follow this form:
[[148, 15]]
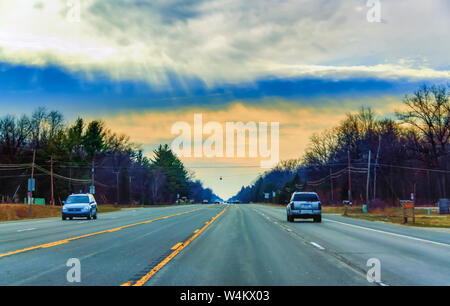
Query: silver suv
[[304, 205]]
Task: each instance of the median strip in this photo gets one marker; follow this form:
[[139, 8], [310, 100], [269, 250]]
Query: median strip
[[55, 243], [153, 271]]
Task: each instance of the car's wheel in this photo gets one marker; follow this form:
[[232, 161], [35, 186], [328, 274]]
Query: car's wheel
[[71, 218], [64, 217], [287, 218], [89, 216], [318, 219], [95, 216]]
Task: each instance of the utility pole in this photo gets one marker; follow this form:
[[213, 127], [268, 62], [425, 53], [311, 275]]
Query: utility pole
[[331, 184], [30, 192], [129, 189], [92, 189], [117, 185], [368, 178], [349, 178], [51, 183], [375, 170]]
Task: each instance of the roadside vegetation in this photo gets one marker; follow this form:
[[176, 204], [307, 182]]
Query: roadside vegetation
[[10, 212], [409, 153], [394, 215], [123, 174]]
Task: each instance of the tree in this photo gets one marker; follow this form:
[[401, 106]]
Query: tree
[[93, 139], [428, 113]]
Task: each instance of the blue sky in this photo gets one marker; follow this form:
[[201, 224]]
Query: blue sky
[[133, 63]]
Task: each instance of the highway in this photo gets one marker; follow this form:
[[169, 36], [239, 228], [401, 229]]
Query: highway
[[199, 245]]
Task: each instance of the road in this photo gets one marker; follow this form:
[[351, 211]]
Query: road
[[245, 244]]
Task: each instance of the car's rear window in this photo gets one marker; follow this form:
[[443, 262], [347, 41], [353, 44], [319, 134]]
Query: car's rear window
[[305, 198], [77, 199]]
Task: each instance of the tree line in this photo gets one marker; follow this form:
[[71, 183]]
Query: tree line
[[82, 150], [409, 153]]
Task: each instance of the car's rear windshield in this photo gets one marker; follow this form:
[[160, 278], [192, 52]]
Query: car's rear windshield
[[305, 198], [77, 199]]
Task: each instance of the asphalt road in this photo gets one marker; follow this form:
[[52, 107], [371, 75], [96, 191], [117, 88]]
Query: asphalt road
[[215, 245]]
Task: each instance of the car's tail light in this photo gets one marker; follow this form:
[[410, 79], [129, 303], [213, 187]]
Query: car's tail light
[[292, 205]]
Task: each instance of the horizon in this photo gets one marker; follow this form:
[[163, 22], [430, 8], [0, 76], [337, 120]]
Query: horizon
[[143, 76]]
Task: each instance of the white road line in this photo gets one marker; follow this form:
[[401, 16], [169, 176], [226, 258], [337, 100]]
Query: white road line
[[26, 229], [392, 234], [317, 245]]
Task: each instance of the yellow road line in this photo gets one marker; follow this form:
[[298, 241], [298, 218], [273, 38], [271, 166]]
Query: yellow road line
[[146, 277], [55, 243], [49, 245], [176, 246]]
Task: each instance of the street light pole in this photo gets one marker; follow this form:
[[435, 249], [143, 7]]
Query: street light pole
[[30, 192], [51, 178], [349, 178], [368, 178]]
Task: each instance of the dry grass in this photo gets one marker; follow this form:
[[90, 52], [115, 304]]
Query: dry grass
[[10, 212], [394, 215]]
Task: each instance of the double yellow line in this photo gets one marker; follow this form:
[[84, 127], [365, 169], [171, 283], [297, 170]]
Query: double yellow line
[[178, 248], [55, 243]]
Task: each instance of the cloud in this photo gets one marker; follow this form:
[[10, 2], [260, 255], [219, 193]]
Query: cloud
[[229, 40], [297, 123]]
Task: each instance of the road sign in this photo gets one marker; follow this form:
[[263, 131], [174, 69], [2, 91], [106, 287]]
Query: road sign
[[266, 195], [408, 204], [31, 184]]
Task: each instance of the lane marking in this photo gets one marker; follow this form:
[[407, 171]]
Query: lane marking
[[52, 244], [390, 233], [196, 231], [176, 246], [317, 245], [127, 284], [55, 243], [153, 271], [26, 229]]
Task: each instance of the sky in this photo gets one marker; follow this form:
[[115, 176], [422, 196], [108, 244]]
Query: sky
[[142, 66]]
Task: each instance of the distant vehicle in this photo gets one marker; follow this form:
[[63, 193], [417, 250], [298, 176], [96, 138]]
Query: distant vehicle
[[80, 205], [217, 202], [205, 202], [304, 205]]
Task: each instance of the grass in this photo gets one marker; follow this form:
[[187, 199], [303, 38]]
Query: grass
[[394, 215], [10, 212]]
